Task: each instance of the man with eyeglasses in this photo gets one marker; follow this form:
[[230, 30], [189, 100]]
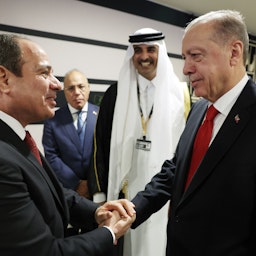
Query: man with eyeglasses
[[68, 136]]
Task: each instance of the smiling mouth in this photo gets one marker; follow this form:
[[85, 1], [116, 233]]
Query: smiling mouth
[[194, 82], [145, 64], [52, 100]]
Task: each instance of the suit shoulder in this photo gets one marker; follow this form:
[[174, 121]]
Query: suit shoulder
[[94, 106], [59, 115], [61, 111], [198, 105]]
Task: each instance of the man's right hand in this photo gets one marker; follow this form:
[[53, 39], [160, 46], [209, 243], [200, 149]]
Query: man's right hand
[[119, 224], [118, 215]]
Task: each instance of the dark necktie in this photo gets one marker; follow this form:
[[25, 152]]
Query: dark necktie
[[201, 142], [32, 146], [80, 127]]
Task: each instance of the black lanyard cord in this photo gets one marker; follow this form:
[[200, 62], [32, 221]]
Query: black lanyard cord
[[143, 122]]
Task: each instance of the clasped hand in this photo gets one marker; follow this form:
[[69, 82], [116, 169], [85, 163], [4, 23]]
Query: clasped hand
[[117, 215]]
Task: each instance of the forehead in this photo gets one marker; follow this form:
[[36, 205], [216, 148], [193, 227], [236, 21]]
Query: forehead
[[75, 78], [199, 34], [33, 54], [200, 30], [145, 46]]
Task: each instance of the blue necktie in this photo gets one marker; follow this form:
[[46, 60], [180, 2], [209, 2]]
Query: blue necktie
[[80, 127]]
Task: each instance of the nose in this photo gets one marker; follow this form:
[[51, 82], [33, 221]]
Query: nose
[[55, 84], [188, 67], [144, 55], [77, 90]]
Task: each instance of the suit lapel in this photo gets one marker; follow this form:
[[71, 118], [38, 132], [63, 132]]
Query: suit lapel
[[185, 146], [12, 138], [89, 130], [68, 127], [47, 174], [55, 186], [226, 137]]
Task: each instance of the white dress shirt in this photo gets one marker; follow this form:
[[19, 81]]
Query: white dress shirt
[[74, 111], [226, 102]]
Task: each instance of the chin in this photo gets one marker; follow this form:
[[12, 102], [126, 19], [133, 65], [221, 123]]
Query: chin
[[50, 113], [198, 93]]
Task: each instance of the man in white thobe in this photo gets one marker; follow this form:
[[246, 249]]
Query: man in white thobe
[[147, 123]]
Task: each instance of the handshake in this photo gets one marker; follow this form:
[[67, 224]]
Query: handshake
[[116, 215]]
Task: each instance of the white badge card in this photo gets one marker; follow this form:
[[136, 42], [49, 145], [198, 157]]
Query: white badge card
[[143, 144]]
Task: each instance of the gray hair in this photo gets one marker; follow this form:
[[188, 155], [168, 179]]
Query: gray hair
[[228, 25]]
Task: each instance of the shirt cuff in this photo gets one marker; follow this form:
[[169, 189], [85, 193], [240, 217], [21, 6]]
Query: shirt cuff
[[112, 233], [99, 197]]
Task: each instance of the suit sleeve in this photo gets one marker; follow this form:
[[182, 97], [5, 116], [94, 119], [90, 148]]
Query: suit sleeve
[[98, 174], [156, 194], [65, 174], [31, 219]]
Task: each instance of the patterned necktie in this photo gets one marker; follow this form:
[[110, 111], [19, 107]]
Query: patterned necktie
[[201, 142], [80, 127], [32, 146]]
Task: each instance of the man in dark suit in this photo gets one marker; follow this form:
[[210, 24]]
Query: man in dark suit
[[216, 213], [34, 208], [68, 156]]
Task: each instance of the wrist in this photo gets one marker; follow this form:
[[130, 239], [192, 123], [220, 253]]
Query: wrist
[[112, 233]]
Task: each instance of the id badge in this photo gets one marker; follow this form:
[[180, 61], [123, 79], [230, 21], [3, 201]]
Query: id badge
[[143, 144]]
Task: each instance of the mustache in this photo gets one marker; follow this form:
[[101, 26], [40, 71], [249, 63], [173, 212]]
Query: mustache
[[145, 61]]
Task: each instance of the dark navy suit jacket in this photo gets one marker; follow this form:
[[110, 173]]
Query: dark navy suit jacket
[[216, 215], [63, 149]]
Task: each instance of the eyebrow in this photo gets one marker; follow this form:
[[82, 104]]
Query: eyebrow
[[147, 45], [43, 66]]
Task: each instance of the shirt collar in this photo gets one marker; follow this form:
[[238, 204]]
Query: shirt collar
[[74, 111], [143, 82], [14, 124], [226, 102]]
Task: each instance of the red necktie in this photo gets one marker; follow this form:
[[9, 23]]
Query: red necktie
[[201, 142], [32, 146]]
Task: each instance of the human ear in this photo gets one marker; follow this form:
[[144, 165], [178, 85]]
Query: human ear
[[4, 85], [237, 48]]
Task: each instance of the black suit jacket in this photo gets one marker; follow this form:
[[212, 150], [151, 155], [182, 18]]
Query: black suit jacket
[[216, 215], [35, 209]]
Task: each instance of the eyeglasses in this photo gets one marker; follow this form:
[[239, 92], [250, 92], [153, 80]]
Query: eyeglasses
[[72, 88]]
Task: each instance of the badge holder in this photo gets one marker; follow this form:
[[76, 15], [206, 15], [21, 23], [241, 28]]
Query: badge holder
[[143, 144]]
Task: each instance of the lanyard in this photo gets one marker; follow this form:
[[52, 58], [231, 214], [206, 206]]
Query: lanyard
[[144, 122]]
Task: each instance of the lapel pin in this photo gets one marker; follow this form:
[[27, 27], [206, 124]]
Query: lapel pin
[[95, 113], [237, 119]]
